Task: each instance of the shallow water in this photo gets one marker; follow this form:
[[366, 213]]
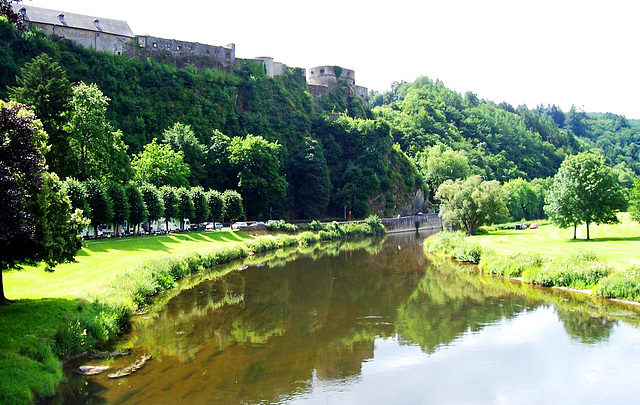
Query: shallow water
[[372, 322]]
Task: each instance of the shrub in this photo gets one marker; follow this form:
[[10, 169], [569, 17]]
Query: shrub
[[308, 238], [467, 252], [512, 265], [316, 226], [280, 226], [624, 284]]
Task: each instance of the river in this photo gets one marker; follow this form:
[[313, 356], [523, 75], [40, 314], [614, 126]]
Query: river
[[370, 321]]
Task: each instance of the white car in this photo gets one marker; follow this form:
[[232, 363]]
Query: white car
[[238, 225]]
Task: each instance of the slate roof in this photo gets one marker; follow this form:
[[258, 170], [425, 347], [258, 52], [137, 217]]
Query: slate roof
[[84, 22]]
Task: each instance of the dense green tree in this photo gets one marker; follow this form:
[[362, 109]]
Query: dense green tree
[[77, 194], [58, 225], [22, 143], [232, 205], [216, 205], [522, 201], [220, 175], [98, 149], [137, 207], [170, 200], [200, 205], [43, 85], [99, 203], [153, 203], [186, 208], [440, 163], [471, 203], [121, 209], [309, 176], [258, 164], [160, 165], [182, 139], [585, 190], [634, 200]]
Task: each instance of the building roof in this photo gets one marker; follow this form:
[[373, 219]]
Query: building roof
[[84, 22]]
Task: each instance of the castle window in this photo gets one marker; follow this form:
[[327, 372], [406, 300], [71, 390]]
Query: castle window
[[208, 51], [178, 47], [155, 45], [321, 71]]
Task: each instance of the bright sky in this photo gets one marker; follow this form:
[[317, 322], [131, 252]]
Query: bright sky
[[563, 52]]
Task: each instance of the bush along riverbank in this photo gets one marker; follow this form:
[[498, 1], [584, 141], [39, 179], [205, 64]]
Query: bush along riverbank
[[36, 334], [581, 270]]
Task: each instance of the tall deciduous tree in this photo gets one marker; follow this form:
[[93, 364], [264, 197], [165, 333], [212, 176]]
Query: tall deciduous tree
[[634, 200], [310, 180], [159, 165], [471, 203], [258, 164], [100, 204], [200, 206], [121, 208], [170, 201], [35, 219], [186, 210], [232, 204], [137, 207], [43, 85], [439, 163], [181, 138], [522, 201], [585, 190], [77, 195], [98, 148], [216, 205], [153, 202]]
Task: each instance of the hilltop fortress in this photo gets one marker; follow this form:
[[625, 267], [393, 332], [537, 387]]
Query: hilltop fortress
[[115, 36]]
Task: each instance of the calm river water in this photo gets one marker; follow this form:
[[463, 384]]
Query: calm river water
[[371, 321]]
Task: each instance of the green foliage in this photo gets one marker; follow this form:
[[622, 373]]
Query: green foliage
[[186, 208], [585, 190], [232, 204], [216, 205], [623, 284], [471, 203], [259, 173], [160, 165], [99, 203], [308, 238], [455, 245], [440, 163], [634, 200], [280, 226], [511, 265], [200, 205], [182, 139], [152, 201], [120, 203], [522, 199], [581, 270], [43, 85], [99, 150], [137, 207]]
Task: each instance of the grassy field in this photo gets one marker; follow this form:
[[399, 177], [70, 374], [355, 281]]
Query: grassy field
[[618, 244], [101, 260]]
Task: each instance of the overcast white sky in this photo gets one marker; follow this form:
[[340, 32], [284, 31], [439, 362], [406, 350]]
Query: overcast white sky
[[563, 52]]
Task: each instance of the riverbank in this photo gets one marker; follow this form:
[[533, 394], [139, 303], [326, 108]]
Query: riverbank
[[84, 305], [607, 266]]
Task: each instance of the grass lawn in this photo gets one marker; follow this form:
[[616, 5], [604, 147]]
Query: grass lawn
[[619, 244], [101, 260]]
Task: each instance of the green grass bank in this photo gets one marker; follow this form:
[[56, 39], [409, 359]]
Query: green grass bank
[[607, 265], [83, 305]]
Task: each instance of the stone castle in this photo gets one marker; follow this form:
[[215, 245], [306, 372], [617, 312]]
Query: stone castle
[[115, 36]]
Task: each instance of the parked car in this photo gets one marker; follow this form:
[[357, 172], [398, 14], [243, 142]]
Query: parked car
[[238, 225], [217, 226], [533, 226], [257, 223]]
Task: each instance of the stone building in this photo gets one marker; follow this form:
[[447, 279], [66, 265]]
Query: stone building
[[322, 79], [100, 34], [184, 53]]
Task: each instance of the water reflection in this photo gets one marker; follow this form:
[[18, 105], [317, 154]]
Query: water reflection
[[360, 322]]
